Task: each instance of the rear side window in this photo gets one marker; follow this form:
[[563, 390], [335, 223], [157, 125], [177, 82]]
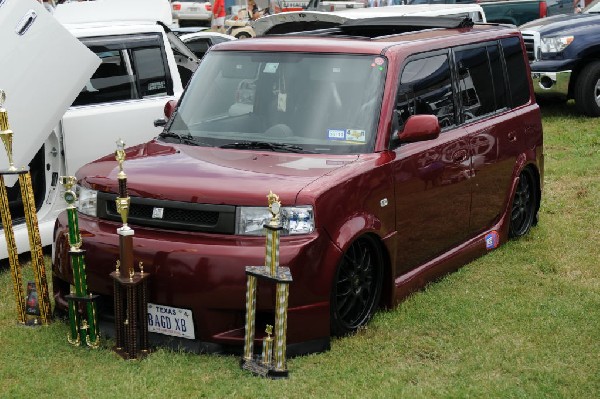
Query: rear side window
[[515, 65], [426, 88], [133, 67], [481, 83]]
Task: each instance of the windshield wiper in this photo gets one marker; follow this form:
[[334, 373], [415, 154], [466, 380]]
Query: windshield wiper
[[189, 139], [264, 145]]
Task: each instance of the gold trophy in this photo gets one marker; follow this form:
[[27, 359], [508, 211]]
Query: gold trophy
[[130, 287], [83, 322], [272, 363], [35, 243]]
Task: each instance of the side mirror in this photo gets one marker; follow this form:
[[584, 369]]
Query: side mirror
[[420, 128], [170, 108]]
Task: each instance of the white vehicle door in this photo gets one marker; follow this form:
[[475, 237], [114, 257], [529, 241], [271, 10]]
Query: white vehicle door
[[42, 68], [121, 100]]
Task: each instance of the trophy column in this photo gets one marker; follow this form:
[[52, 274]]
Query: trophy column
[[130, 287], [83, 321], [35, 242], [272, 363]]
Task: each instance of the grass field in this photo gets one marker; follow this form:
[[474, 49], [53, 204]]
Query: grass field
[[523, 321]]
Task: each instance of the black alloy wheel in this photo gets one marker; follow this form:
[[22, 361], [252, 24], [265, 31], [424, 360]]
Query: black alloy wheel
[[524, 206], [356, 287]]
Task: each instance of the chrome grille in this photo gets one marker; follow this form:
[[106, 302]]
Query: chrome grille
[[531, 40]]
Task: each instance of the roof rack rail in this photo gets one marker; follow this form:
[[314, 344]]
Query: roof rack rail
[[386, 26]]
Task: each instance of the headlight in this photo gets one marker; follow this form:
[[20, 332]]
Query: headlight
[[87, 200], [555, 44], [295, 220]]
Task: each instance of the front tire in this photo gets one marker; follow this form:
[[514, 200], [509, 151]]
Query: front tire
[[357, 286], [524, 205], [587, 90]]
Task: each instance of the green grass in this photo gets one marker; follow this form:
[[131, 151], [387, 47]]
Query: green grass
[[523, 321]]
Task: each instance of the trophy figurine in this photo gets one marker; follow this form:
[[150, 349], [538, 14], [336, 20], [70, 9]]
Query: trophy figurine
[[83, 322], [35, 242], [130, 288], [272, 363]]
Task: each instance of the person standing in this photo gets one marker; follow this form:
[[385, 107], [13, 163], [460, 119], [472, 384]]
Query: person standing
[[218, 15]]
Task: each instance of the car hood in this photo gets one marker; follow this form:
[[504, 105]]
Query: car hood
[[211, 175], [558, 23], [42, 69]]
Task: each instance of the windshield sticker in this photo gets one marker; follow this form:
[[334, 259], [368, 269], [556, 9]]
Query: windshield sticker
[[271, 67], [356, 135], [336, 70], [492, 240], [378, 63], [336, 134]]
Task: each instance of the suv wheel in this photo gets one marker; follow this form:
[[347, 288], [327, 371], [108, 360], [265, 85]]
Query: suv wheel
[[587, 90]]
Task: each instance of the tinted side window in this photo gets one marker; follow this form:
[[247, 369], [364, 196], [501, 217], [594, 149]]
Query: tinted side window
[[515, 66], [133, 67], [148, 63], [481, 82], [426, 88], [198, 46], [110, 82]]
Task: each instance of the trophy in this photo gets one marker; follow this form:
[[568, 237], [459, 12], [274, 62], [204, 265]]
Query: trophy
[[130, 287], [272, 363], [83, 322], [35, 243]]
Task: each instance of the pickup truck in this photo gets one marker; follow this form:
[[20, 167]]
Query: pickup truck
[[143, 65], [564, 52], [516, 12]]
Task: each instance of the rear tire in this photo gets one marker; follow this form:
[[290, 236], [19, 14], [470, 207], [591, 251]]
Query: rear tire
[[356, 287], [524, 205], [587, 90], [243, 35]]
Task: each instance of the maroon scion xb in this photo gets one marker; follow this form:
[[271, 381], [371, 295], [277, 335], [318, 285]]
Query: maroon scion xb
[[401, 149]]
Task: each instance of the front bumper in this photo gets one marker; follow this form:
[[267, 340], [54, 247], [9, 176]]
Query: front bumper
[[206, 274], [551, 84]]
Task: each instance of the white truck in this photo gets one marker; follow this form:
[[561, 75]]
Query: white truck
[[142, 67]]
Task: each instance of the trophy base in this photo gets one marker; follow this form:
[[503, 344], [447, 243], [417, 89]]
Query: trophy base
[[139, 355], [32, 321], [258, 368], [14, 171]]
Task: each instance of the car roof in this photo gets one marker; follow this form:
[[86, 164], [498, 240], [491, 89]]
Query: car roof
[[373, 37]]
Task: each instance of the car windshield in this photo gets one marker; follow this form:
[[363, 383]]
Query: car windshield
[[282, 101]]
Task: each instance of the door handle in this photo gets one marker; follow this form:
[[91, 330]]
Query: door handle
[[460, 156]]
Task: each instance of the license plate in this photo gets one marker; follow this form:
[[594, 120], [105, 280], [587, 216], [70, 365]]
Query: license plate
[[170, 321], [193, 9]]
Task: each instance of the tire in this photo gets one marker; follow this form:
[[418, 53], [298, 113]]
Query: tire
[[356, 287], [587, 90], [524, 205], [243, 35]]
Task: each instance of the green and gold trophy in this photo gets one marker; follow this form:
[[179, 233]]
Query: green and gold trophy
[[83, 322], [130, 287], [35, 242], [272, 363]]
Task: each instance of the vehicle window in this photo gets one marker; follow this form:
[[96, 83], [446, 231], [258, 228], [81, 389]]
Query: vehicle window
[[148, 63], [426, 88], [133, 67], [481, 83], [110, 82], [515, 65], [325, 103], [199, 46]]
